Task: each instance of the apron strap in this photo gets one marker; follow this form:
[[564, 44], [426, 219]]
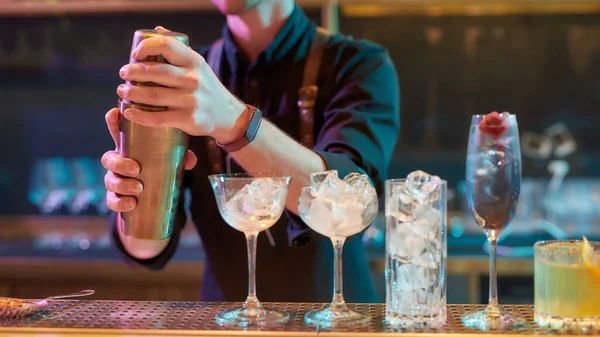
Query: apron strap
[[307, 94]]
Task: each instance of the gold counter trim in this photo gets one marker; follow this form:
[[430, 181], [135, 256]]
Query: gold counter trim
[[148, 318]]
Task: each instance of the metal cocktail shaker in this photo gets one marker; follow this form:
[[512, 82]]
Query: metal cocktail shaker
[[160, 153]]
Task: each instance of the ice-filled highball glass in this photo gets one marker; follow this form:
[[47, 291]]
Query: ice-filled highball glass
[[416, 252]]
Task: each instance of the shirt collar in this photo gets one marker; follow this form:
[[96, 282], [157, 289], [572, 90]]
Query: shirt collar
[[288, 36]]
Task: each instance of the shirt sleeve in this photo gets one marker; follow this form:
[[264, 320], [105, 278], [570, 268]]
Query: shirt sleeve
[[362, 122], [158, 262]]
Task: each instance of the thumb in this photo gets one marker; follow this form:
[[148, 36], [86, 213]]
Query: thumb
[[113, 117]]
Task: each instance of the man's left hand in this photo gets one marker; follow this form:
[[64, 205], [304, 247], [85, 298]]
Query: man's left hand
[[197, 102]]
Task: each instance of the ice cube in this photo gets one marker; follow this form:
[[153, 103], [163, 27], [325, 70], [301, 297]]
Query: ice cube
[[347, 218], [352, 201], [361, 186], [421, 185], [429, 220], [429, 213], [405, 273], [316, 179], [320, 216], [369, 212], [487, 162], [305, 201], [421, 228], [425, 275], [398, 230], [234, 209], [239, 197], [333, 189], [338, 213], [428, 257], [494, 159], [263, 198], [405, 203], [408, 246]]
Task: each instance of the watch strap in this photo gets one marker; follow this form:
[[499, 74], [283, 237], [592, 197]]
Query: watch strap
[[256, 116]]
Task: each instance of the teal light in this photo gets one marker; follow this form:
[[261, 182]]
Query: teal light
[[456, 227]]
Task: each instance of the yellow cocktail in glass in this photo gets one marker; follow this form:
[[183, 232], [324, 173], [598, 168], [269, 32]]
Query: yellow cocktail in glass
[[567, 285]]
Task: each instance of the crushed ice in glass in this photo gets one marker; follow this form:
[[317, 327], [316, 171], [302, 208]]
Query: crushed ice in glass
[[261, 200], [338, 207]]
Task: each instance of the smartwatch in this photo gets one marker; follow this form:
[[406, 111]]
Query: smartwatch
[[256, 116]]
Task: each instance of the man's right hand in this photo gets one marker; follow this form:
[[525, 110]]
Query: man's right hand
[[121, 185]]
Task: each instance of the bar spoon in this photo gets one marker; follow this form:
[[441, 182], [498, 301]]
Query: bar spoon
[[14, 307]]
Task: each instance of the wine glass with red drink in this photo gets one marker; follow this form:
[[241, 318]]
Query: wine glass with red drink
[[493, 180]]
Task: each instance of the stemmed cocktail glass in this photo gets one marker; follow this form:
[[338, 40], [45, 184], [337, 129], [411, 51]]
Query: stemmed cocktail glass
[[337, 209], [250, 204], [493, 180]]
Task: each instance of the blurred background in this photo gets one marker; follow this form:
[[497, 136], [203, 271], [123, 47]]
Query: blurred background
[[540, 60]]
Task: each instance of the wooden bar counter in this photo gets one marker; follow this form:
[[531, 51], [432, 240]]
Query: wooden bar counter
[[158, 318]]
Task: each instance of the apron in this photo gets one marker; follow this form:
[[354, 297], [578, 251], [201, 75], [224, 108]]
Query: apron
[[316, 259]]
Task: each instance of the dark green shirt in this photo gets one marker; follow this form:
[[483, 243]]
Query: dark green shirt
[[356, 126]]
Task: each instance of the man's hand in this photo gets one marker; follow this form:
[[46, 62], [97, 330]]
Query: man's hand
[[197, 102], [121, 185]]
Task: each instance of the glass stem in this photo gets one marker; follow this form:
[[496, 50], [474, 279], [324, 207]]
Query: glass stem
[[252, 302], [338, 302], [493, 299]]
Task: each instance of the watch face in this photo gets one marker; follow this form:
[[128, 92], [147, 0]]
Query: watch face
[[253, 125], [249, 133]]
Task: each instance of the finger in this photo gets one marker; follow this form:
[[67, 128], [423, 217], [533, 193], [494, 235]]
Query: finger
[[161, 29], [158, 96], [160, 73], [118, 203], [190, 160], [122, 186], [114, 162], [173, 50], [113, 117], [168, 118]]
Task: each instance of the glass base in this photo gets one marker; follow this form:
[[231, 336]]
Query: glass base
[[493, 319], [338, 318], [560, 323], [416, 322], [242, 317]]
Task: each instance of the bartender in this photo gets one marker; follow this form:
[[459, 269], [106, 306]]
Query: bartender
[[269, 50]]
